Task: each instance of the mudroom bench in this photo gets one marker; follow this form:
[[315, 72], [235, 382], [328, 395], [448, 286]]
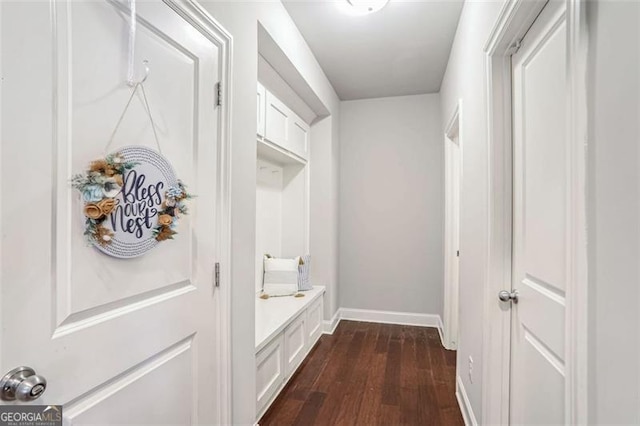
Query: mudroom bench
[[287, 328]]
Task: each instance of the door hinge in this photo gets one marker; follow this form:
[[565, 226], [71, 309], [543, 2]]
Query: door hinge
[[217, 275], [219, 94], [458, 253]]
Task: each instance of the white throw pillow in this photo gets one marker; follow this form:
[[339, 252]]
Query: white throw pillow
[[280, 276]]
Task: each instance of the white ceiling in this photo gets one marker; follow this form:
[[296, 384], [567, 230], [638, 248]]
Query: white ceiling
[[401, 50]]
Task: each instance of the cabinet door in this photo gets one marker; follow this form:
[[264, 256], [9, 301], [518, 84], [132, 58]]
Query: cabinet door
[[262, 104], [295, 339], [298, 136], [269, 372], [278, 118], [314, 322]]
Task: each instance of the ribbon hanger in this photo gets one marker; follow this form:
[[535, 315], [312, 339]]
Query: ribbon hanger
[[133, 21], [131, 80]]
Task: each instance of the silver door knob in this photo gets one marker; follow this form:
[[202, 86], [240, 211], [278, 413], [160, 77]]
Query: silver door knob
[[508, 296], [23, 384]]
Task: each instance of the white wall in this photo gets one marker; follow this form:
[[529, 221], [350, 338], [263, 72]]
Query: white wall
[[391, 204], [614, 212], [268, 214], [464, 79], [323, 212], [281, 212], [241, 20]]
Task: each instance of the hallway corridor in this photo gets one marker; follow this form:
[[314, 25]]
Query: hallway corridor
[[368, 374]]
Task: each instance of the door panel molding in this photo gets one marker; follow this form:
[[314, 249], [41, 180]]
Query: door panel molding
[[64, 204], [80, 320], [512, 24], [102, 392]]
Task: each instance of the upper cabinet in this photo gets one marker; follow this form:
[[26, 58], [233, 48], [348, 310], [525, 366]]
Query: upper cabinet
[[262, 95], [279, 118], [280, 125], [298, 136]]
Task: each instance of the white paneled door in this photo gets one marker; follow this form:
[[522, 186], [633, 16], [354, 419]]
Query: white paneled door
[[120, 341], [540, 222]]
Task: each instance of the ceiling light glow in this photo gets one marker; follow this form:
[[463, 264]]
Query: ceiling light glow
[[367, 6]]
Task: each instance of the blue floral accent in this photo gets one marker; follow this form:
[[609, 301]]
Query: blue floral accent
[[174, 192], [110, 188], [92, 194], [173, 206]]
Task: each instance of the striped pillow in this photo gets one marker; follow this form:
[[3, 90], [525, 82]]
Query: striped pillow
[[304, 281]]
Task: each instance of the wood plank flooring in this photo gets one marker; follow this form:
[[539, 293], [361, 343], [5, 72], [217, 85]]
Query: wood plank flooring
[[371, 374]]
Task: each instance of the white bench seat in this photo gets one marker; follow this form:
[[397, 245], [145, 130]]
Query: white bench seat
[[274, 314], [286, 330]]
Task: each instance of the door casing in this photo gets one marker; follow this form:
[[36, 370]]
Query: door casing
[[512, 24], [452, 135]]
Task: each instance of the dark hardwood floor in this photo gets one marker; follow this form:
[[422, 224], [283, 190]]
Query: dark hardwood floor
[[371, 374]]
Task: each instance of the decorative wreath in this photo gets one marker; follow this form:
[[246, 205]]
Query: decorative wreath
[[100, 186]]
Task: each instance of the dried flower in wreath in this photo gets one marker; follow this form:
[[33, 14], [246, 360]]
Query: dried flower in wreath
[[103, 235], [98, 187], [171, 209]]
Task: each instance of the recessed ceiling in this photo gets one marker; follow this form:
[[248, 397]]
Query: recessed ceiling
[[401, 50]]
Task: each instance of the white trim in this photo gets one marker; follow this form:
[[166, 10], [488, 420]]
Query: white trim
[[192, 11], [576, 347], [384, 317], [451, 314], [454, 121], [389, 317], [330, 326], [440, 328], [465, 406], [54, 143], [513, 22]]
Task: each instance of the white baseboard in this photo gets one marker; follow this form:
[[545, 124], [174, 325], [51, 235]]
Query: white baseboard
[[441, 332], [384, 317], [389, 317], [330, 326], [465, 405]]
